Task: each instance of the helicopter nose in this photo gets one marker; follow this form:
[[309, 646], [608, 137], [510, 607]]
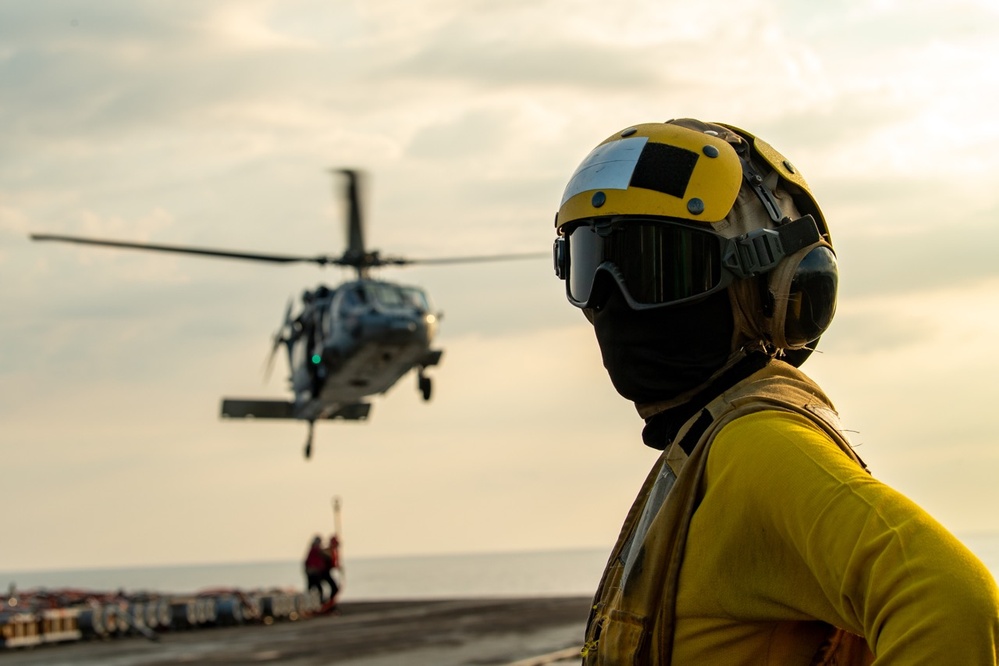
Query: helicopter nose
[[407, 326]]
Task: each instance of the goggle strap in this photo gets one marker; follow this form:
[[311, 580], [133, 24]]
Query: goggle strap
[[761, 250]]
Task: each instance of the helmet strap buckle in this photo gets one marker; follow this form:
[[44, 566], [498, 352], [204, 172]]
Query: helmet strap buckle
[[761, 250]]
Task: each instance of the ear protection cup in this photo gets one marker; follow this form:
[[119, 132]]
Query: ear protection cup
[[803, 289]]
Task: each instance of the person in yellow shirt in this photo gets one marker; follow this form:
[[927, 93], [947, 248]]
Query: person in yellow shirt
[[703, 262]]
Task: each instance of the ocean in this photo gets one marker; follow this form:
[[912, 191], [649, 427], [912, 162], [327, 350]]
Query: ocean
[[514, 574]]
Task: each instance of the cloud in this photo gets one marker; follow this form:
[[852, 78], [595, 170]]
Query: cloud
[[213, 125], [927, 258], [485, 64]]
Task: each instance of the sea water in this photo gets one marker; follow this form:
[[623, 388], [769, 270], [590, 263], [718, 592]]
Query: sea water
[[515, 574]]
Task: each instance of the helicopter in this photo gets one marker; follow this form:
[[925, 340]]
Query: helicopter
[[347, 342]]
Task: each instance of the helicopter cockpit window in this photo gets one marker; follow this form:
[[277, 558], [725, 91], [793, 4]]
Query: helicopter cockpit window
[[416, 298], [386, 295], [354, 297]]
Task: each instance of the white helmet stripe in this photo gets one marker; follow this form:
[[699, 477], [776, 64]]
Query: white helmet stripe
[[609, 167]]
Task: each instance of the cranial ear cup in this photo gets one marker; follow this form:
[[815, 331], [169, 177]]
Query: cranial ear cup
[[803, 289]]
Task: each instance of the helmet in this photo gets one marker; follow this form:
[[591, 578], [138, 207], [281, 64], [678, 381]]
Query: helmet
[[672, 212]]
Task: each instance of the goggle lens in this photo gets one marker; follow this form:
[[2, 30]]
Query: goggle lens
[[656, 263]]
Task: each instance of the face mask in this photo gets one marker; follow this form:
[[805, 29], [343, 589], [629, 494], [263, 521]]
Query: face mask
[[656, 355]]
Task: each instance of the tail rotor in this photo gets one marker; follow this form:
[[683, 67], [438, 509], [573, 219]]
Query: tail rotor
[[283, 336]]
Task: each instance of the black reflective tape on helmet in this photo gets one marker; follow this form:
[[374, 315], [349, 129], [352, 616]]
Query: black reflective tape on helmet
[[664, 168]]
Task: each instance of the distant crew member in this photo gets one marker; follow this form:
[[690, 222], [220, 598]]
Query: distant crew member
[[331, 556], [315, 567]]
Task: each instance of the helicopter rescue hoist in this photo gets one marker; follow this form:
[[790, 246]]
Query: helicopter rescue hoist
[[347, 342]]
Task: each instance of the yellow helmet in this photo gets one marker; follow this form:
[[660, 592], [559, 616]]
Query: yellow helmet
[[675, 211], [654, 169]]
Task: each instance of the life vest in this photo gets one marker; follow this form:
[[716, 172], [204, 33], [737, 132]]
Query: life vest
[[634, 611], [315, 562]]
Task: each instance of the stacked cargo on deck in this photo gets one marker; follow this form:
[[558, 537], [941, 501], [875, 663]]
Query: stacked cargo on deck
[[37, 617]]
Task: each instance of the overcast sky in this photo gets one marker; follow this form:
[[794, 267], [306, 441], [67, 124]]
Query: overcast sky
[[213, 123]]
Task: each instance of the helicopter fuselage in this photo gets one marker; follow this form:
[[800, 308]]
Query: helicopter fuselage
[[355, 341], [346, 343]]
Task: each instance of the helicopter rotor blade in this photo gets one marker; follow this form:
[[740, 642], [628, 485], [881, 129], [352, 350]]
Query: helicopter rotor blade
[[399, 261], [322, 260], [269, 365], [355, 221]]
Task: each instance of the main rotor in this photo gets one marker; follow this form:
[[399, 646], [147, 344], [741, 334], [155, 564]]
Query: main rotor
[[356, 255]]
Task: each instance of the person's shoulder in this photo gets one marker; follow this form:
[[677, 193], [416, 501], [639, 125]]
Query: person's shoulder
[[775, 438], [770, 424]]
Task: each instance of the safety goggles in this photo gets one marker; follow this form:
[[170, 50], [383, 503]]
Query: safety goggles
[[658, 262]]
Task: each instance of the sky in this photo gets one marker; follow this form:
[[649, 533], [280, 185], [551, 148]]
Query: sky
[[214, 124]]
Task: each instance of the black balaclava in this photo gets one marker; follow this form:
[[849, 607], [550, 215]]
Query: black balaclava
[[657, 355]]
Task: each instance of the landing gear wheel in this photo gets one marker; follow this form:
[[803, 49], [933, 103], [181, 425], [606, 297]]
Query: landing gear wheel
[[425, 386]]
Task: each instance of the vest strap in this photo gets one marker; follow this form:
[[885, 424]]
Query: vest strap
[[633, 618]]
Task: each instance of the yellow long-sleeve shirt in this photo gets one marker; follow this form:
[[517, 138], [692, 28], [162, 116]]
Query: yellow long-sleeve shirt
[[790, 531]]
